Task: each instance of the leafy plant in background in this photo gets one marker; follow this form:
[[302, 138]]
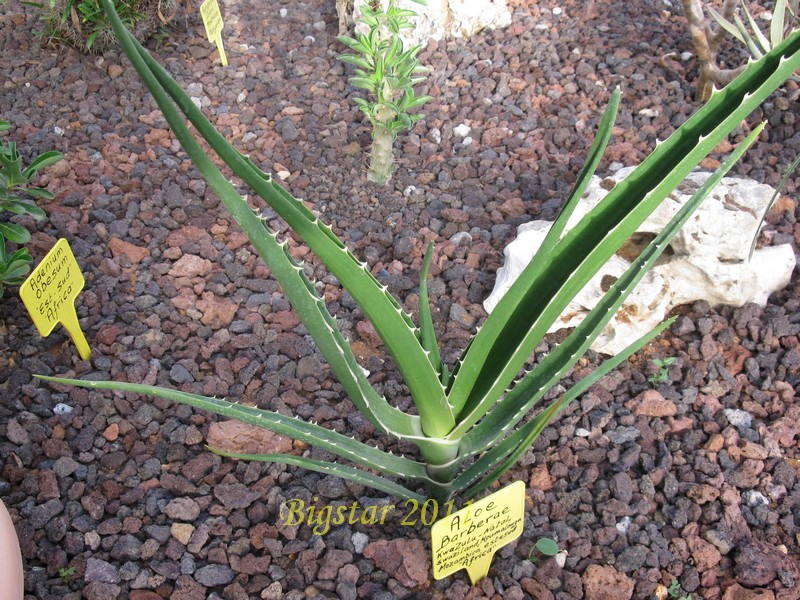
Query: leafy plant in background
[[15, 266], [466, 426], [707, 39], [389, 73], [83, 23], [662, 374]]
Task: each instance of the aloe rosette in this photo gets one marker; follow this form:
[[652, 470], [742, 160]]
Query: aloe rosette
[[467, 422]]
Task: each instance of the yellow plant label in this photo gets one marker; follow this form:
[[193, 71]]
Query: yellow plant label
[[212, 19], [49, 294], [468, 539]]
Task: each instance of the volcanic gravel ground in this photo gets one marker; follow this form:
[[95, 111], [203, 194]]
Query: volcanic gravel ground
[[697, 480]]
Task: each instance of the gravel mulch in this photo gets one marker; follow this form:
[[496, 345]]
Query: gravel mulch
[[695, 481]]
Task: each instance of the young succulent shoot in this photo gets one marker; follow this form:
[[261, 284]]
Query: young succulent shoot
[[543, 547], [388, 72], [662, 374], [470, 422]]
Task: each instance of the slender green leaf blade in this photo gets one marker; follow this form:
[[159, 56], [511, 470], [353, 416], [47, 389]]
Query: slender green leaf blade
[[584, 177], [543, 290], [42, 161], [326, 439], [527, 434], [535, 384], [330, 468], [391, 322]]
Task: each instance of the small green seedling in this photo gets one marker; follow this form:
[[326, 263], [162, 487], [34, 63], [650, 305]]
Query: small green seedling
[[389, 73], [66, 573], [675, 591], [543, 547], [662, 375]]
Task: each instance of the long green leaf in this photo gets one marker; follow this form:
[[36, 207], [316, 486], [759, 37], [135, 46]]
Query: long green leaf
[[330, 468], [584, 177], [292, 427], [521, 399], [42, 161], [789, 170], [752, 45], [726, 25], [428, 333], [760, 39], [300, 292], [392, 323], [543, 290], [776, 26], [521, 440]]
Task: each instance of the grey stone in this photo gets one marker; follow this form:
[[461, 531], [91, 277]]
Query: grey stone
[[100, 570], [41, 514], [160, 533], [622, 435], [65, 466], [360, 541], [182, 509], [738, 418], [100, 590], [235, 495], [622, 487], [332, 487], [127, 547], [16, 434], [631, 559], [213, 575], [180, 374]]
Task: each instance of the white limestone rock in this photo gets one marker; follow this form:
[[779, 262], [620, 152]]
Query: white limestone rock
[[442, 18], [707, 259]]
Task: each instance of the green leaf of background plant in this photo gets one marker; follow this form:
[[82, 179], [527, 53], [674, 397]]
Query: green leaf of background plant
[[40, 193], [15, 233], [330, 468], [41, 162]]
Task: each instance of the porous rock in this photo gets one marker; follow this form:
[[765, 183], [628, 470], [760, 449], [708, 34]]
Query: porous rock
[[447, 18], [709, 259]]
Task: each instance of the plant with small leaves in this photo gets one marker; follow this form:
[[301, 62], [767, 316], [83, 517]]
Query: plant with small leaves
[[662, 374], [66, 573], [470, 423], [389, 72], [543, 547], [83, 24], [675, 591], [707, 38], [14, 180]]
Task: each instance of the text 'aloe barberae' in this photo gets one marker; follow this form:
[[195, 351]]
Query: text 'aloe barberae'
[[470, 424]]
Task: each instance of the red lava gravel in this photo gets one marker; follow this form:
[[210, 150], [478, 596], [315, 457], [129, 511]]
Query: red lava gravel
[[122, 489]]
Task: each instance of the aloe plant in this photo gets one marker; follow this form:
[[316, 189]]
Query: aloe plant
[[467, 422]]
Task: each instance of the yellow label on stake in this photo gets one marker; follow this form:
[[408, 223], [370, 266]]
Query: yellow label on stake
[[212, 19], [49, 294], [468, 539]]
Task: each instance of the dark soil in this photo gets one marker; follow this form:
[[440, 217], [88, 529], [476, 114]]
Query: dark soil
[[122, 488]]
